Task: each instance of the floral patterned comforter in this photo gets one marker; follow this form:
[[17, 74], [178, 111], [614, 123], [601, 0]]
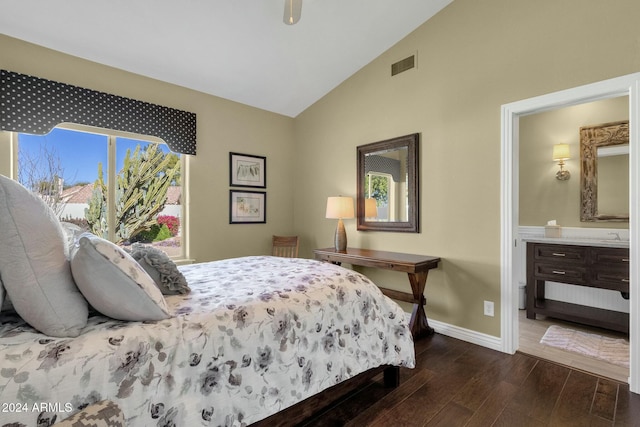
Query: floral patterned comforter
[[255, 335]]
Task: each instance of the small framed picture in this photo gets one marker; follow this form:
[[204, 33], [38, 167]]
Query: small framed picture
[[247, 207], [246, 170]]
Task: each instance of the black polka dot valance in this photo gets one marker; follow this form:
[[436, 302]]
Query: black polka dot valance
[[33, 105], [383, 164]]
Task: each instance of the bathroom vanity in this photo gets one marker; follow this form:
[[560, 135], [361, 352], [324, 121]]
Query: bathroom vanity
[[598, 264]]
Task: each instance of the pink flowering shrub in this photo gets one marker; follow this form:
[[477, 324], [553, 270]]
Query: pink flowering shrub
[[172, 223]]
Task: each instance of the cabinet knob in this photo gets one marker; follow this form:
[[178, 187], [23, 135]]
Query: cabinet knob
[[625, 280], [625, 259], [558, 272], [559, 254]]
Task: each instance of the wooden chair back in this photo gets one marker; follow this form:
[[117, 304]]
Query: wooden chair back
[[285, 246]]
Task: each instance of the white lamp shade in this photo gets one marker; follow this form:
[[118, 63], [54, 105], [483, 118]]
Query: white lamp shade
[[340, 207], [370, 208], [561, 152]]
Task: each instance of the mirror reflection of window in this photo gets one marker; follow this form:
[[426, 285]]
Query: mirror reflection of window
[[380, 187], [613, 179], [386, 182]]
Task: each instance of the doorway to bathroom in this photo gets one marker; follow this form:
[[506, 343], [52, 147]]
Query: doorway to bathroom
[[511, 263]]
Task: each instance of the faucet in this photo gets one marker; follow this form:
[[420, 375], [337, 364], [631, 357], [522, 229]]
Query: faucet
[[615, 234]]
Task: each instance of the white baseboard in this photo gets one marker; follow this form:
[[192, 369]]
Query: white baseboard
[[467, 335], [473, 337]]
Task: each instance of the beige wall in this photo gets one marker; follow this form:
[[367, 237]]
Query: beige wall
[[542, 196], [473, 57], [222, 126]]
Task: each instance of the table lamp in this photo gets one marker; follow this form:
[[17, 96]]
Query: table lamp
[[341, 208]]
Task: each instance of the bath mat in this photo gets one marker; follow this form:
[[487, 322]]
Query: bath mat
[[611, 350]]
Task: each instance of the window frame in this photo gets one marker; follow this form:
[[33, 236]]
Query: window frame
[[111, 171]]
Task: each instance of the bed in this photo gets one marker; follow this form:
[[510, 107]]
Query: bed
[[254, 336], [229, 342]]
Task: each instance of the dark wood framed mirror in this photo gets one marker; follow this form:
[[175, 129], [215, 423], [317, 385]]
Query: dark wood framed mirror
[[388, 185], [604, 172]]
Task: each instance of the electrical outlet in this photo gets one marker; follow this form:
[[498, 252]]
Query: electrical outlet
[[488, 308]]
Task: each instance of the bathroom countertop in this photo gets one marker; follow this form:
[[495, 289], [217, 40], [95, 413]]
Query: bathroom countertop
[[581, 241]]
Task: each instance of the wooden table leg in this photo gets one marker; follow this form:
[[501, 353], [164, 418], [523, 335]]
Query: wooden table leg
[[419, 324]]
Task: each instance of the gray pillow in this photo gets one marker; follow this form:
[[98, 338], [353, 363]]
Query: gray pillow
[[114, 283], [33, 264], [161, 268]]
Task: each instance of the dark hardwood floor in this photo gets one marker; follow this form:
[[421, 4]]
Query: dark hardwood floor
[[460, 384]]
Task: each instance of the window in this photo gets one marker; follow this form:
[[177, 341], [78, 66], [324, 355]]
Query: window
[[125, 188]]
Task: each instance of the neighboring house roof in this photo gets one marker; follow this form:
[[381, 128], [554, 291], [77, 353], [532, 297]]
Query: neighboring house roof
[[77, 194], [82, 194], [174, 195]]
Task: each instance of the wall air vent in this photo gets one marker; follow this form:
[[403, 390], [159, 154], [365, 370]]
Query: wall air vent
[[403, 65]]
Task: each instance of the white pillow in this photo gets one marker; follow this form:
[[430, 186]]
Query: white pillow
[[114, 283], [33, 264], [72, 233]]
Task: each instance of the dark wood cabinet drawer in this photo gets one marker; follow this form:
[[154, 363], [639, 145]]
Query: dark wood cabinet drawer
[[561, 254], [617, 256], [610, 268], [615, 279], [564, 273]]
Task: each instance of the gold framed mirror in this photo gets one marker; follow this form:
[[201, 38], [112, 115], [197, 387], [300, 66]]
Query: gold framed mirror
[[604, 172], [387, 194]]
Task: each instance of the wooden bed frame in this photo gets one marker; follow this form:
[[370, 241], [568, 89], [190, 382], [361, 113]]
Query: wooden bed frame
[[312, 405]]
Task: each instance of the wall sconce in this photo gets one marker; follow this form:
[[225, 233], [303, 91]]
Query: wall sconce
[[560, 154], [340, 208]]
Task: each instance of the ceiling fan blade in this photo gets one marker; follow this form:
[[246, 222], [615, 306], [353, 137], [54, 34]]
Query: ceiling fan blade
[[292, 11]]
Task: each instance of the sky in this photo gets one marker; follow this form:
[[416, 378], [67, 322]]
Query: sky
[[79, 152]]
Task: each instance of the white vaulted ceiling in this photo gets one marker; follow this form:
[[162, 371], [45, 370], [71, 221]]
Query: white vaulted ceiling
[[235, 49]]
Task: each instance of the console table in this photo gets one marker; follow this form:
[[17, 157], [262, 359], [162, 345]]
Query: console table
[[416, 267], [583, 265]]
